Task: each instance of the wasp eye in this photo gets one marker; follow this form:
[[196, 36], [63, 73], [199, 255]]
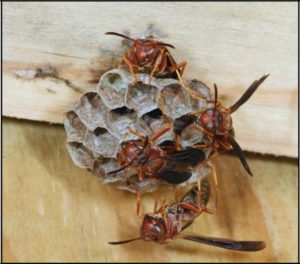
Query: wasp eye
[[209, 125], [150, 51], [157, 229]]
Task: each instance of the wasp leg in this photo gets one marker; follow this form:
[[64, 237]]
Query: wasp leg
[[215, 179], [121, 63], [194, 208], [215, 183], [152, 73], [161, 103], [224, 145], [199, 191], [191, 207], [129, 64], [141, 175], [138, 203], [126, 136], [176, 193], [155, 202], [208, 134], [160, 133], [136, 134], [162, 107], [176, 68], [181, 66], [163, 208], [203, 131], [177, 141], [156, 64]]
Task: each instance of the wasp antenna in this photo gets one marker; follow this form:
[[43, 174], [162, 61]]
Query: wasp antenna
[[124, 241], [238, 151], [215, 110], [122, 168], [166, 44], [119, 35], [216, 94], [248, 93]]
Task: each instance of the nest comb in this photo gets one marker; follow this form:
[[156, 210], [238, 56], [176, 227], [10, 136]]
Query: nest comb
[[98, 121]]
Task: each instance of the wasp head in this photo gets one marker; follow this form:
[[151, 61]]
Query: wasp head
[[217, 121], [145, 50], [153, 228], [132, 147]]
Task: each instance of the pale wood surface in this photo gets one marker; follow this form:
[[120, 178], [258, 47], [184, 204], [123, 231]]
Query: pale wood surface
[[54, 211], [231, 44]]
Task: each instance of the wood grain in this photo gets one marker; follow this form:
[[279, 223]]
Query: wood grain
[[56, 212], [230, 44]]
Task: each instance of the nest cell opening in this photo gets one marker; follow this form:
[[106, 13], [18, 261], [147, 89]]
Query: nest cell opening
[[115, 81], [156, 114], [91, 110], [175, 100], [119, 119], [142, 97], [106, 165], [99, 131], [167, 143], [81, 155], [75, 129], [203, 91], [103, 143], [112, 89], [200, 87], [155, 122]]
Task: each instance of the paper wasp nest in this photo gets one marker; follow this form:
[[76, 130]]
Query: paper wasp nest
[[99, 120]]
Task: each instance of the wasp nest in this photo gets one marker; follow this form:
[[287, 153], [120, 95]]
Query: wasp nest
[[99, 121]]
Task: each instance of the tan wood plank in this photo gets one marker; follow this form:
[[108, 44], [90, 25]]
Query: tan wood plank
[[230, 44], [54, 211]]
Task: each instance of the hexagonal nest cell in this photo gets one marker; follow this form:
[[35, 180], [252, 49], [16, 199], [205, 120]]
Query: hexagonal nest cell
[[100, 120]]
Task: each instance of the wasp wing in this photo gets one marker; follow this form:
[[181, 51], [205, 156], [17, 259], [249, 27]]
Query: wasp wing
[[227, 243], [174, 177], [179, 165], [253, 87], [238, 151], [188, 156]]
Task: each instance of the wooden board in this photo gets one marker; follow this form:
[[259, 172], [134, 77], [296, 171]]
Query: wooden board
[[55, 51], [56, 212]]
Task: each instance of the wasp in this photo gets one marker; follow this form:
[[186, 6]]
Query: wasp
[[157, 162], [215, 123], [151, 53], [168, 222]]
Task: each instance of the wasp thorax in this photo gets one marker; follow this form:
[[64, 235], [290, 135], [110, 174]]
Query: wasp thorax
[[152, 228], [215, 121], [133, 149]]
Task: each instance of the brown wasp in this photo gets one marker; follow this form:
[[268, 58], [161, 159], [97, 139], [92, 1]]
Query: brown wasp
[[151, 53], [167, 223], [157, 162], [215, 123]]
